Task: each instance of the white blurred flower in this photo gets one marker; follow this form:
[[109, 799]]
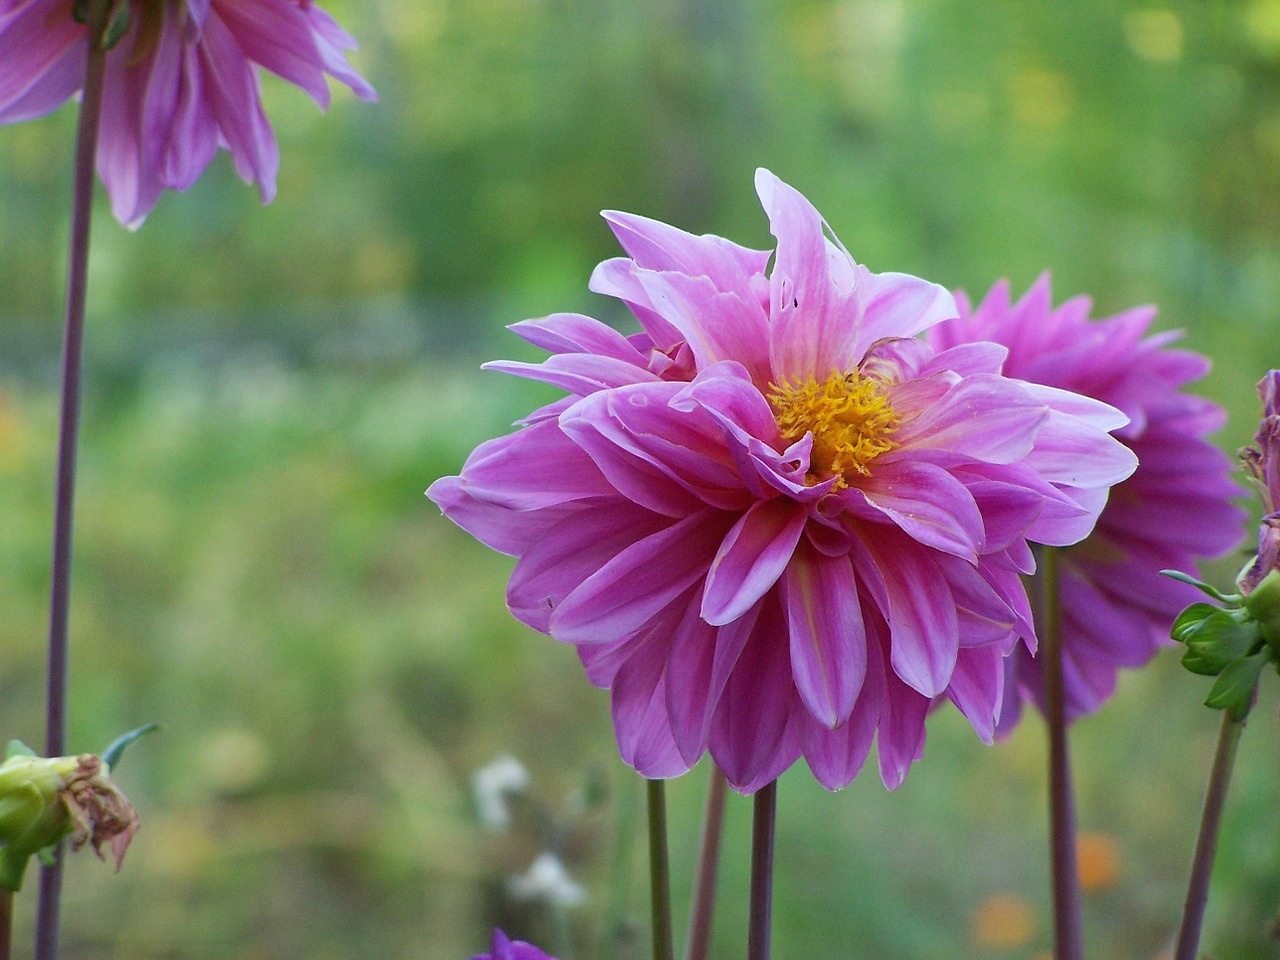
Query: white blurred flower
[[548, 881], [492, 784]]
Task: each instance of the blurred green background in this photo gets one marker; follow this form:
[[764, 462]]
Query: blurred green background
[[271, 390]]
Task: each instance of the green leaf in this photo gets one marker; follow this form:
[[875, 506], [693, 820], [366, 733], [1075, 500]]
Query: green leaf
[[111, 755], [1190, 618], [17, 748], [1231, 598], [1234, 688]]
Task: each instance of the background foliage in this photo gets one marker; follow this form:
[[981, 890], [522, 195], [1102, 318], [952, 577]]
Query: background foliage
[[270, 391]]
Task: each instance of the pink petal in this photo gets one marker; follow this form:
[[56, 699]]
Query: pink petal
[[836, 756], [532, 468], [639, 704], [898, 305], [828, 642], [577, 373], [619, 278], [717, 325], [701, 659], [900, 742], [924, 501], [923, 623], [554, 566], [659, 456], [575, 333], [663, 248], [811, 290], [983, 417], [977, 688], [753, 735], [751, 559], [235, 100], [640, 580], [500, 528], [44, 51], [1073, 452]]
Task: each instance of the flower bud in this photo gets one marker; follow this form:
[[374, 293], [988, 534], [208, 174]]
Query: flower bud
[[44, 799]]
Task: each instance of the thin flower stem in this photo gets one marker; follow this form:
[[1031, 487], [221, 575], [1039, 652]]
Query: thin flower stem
[[46, 946], [1067, 914], [6, 923], [760, 916], [1207, 841], [659, 872], [704, 889]]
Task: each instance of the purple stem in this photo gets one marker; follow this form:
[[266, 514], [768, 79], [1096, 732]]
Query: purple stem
[[1207, 842], [659, 872], [704, 890], [46, 946], [6, 923], [1067, 914], [760, 915]]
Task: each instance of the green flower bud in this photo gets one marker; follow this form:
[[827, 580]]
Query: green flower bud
[[44, 799]]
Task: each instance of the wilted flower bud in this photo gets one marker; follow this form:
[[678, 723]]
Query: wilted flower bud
[[44, 799]]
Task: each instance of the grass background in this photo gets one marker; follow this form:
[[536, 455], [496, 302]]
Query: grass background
[[271, 390]]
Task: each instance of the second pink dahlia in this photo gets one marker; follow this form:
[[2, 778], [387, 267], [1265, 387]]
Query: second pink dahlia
[[1175, 510]]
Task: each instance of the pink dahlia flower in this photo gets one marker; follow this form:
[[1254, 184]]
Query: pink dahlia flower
[[504, 948], [775, 523], [180, 83], [1263, 459], [1173, 511]]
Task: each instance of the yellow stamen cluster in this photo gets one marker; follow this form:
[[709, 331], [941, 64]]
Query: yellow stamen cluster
[[849, 416]]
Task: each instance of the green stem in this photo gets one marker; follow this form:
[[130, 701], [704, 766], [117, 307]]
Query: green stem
[[760, 916], [46, 945], [704, 890], [659, 872], [1067, 913], [1207, 841]]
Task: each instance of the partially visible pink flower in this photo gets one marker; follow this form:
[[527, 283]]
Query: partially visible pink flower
[[775, 523], [1263, 459], [504, 948], [182, 82], [1173, 511]]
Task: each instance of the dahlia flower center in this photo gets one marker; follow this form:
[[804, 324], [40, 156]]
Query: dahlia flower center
[[849, 416]]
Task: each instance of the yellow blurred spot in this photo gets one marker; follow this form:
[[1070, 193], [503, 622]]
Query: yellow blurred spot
[[1098, 861], [177, 845], [1041, 99], [1154, 35], [233, 759], [382, 264], [1004, 920], [11, 439], [1262, 25]]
